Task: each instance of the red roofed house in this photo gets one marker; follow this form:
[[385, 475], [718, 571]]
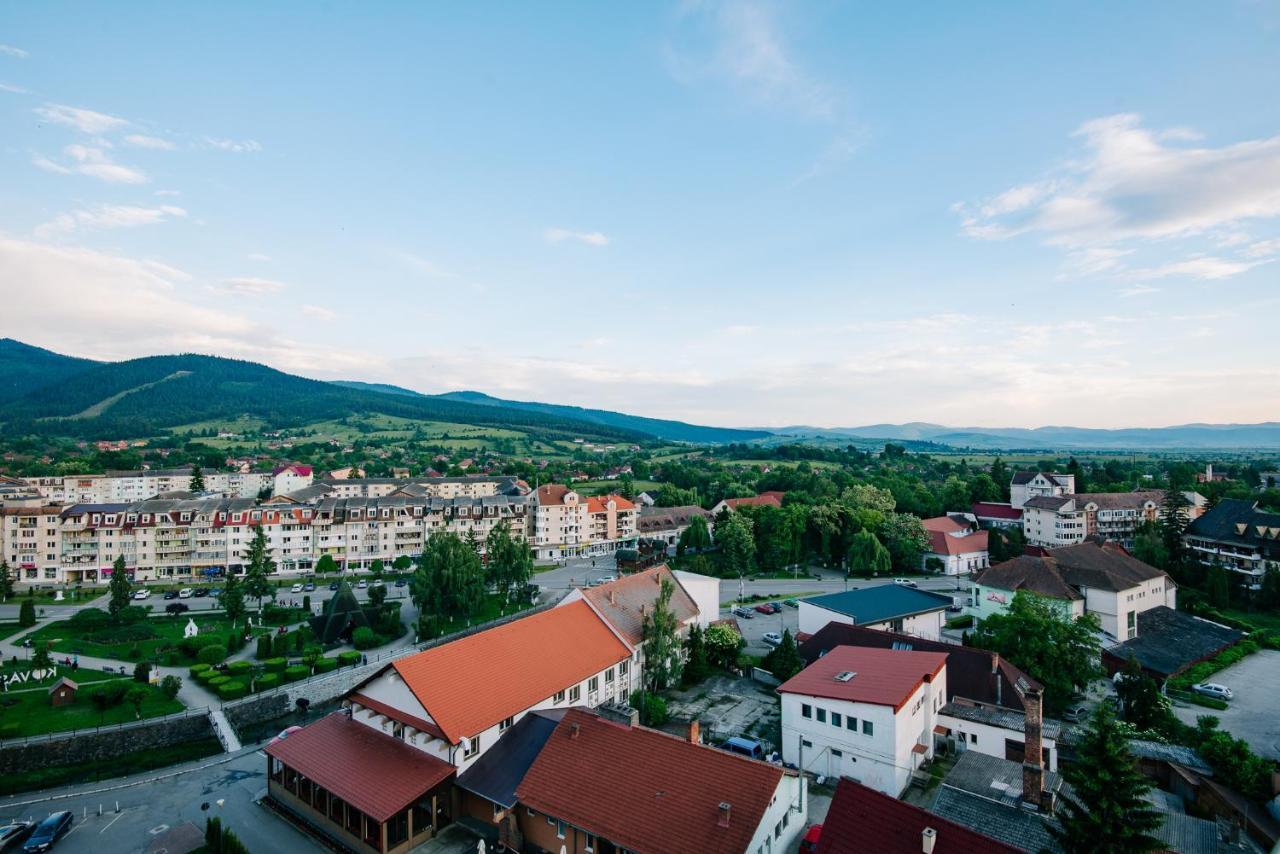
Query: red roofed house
[[290, 478], [867, 714], [991, 514], [364, 789], [611, 523], [600, 785], [955, 545], [861, 820], [560, 522], [453, 701], [772, 498]]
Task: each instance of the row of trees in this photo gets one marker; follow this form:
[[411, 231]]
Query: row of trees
[[451, 581]]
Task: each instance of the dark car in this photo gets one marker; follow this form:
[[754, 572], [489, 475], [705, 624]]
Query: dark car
[[333, 586], [216, 591], [171, 594], [176, 608], [400, 582], [766, 608], [48, 832], [201, 592], [14, 833]]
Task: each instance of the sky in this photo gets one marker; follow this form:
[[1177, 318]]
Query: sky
[[747, 214]]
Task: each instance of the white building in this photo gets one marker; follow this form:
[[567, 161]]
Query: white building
[[867, 714], [892, 607], [956, 545], [1025, 485], [560, 523]]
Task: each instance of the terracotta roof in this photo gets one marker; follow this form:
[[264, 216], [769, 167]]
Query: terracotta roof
[[552, 493], [992, 510], [861, 820], [770, 499], [645, 790], [944, 543], [945, 524], [372, 771], [74, 686], [625, 602], [1025, 572], [596, 504], [472, 683], [883, 677]]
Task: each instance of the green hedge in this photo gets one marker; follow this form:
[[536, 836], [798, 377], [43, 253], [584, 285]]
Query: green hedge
[[212, 654], [197, 669], [1222, 660], [204, 676], [348, 657], [267, 681], [296, 672], [232, 689], [324, 665], [218, 680], [239, 668], [274, 665]]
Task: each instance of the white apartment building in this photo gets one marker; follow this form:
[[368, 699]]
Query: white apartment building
[[1052, 521], [1025, 485], [863, 713], [561, 523], [116, 487]]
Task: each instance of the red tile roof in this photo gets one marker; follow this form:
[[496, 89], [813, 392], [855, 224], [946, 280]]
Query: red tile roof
[[597, 504], [943, 543], [372, 771], [885, 677], [552, 493], [645, 790], [768, 499], [943, 523], [625, 602], [301, 471], [991, 510], [472, 683], [861, 820]]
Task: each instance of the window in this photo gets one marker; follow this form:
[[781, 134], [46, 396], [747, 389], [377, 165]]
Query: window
[[594, 684], [559, 830], [835, 719], [608, 676], [624, 667], [822, 715], [973, 738], [588, 842], [558, 698], [837, 753], [867, 728], [575, 693], [497, 811], [806, 710], [851, 723], [471, 747], [505, 724]]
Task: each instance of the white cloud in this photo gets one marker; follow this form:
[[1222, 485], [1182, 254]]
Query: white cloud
[[319, 312], [87, 160], [9, 87], [108, 216], [15, 52], [249, 286], [168, 193], [421, 265], [139, 140], [232, 145], [1139, 291], [1263, 248], [85, 121], [258, 256], [590, 238], [1204, 267]]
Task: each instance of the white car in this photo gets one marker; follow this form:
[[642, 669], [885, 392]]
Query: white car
[[772, 638], [604, 579], [1213, 689], [905, 582], [186, 593], [297, 588], [363, 584], [142, 594]]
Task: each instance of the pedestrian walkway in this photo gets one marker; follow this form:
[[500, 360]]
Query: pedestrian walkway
[[225, 732]]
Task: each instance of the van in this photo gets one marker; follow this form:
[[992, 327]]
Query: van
[[745, 746]]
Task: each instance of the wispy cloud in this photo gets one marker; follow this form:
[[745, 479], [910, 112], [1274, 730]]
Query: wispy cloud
[[85, 121], [94, 162], [421, 265], [139, 140], [1203, 267], [235, 146], [258, 256], [16, 90], [249, 286], [590, 238], [1139, 291], [1263, 248], [108, 216], [15, 52], [319, 312]]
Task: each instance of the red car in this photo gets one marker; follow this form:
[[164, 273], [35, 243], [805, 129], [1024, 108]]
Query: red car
[[766, 608], [809, 844]]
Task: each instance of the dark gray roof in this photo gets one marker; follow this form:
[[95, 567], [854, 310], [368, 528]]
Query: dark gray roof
[[1170, 641], [1184, 756], [1025, 477], [1049, 502], [976, 773], [997, 716], [883, 602], [1010, 824], [1223, 524], [497, 773], [1181, 832]]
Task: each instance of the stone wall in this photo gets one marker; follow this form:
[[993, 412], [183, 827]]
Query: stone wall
[[100, 746]]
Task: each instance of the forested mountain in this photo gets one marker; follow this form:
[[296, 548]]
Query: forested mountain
[[24, 368], [143, 396], [1179, 437]]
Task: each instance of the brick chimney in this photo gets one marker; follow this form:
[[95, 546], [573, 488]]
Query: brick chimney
[[695, 731], [612, 599], [723, 820], [995, 677], [573, 729], [1033, 752]]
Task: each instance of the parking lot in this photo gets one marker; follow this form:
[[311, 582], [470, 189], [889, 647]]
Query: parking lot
[[755, 628], [1251, 715]]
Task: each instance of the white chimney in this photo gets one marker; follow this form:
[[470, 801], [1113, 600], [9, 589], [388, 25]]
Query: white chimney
[[928, 836]]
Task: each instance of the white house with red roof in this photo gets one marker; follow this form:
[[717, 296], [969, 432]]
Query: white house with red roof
[[770, 498], [290, 478], [956, 546], [863, 713]]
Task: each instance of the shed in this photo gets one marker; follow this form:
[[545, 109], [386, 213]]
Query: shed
[[63, 692]]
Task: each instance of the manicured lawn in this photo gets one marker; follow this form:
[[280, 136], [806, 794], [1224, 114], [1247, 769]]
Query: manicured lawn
[[489, 610], [121, 766], [1263, 620], [7, 629], [81, 676], [29, 713]]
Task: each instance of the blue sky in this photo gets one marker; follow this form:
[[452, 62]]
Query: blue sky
[[738, 213]]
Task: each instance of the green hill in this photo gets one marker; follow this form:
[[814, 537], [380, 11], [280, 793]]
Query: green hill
[[24, 368]]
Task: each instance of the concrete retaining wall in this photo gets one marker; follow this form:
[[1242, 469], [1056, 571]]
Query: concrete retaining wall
[[85, 747]]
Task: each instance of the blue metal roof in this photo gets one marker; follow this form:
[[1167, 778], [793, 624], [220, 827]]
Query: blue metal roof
[[884, 602]]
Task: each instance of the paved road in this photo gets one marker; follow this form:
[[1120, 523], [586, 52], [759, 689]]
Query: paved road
[[1251, 715]]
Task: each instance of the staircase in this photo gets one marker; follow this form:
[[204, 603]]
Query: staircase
[[222, 727]]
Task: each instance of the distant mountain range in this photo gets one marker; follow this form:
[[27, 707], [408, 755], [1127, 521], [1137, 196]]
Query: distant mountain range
[[1180, 437]]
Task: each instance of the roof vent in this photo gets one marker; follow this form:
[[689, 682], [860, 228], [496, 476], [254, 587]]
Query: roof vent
[[928, 837], [845, 675], [724, 814]]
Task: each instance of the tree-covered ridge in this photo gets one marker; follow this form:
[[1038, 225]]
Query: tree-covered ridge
[[24, 368]]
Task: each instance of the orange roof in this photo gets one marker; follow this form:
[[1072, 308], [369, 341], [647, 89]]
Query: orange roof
[[625, 602], [943, 523], [942, 543], [472, 683], [764, 499], [597, 504], [882, 677], [552, 493]]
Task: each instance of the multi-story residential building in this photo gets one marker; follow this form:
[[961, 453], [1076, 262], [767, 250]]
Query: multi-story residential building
[[611, 521], [560, 524], [866, 714], [1064, 520], [290, 478], [476, 486], [1236, 535], [1089, 578], [1025, 485], [668, 523], [126, 486], [30, 541]]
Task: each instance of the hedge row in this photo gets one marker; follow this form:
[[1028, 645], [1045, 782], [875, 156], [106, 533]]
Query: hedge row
[[1222, 660], [295, 672], [348, 657], [232, 689]]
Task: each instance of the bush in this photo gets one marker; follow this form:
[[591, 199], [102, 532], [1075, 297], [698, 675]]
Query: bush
[[295, 672], [348, 657], [170, 686], [232, 689], [142, 672], [652, 708], [306, 602], [364, 638], [263, 651], [274, 665], [280, 646], [197, 669], [211, 654], [90, 618], [324, 665], [203, 676], [108, 695], [965, 622], [267, 681], [239, 668]]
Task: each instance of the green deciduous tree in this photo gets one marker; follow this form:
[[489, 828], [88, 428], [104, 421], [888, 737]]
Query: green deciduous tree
[[723, 645], [1144, 706], [662, 661], [326, 565], [1037, 635], [1106, 811], [41, 658], [232, 598], [449, 580], [905, 539], [696, 537], [867, 556], [696, 666], [784, 660], [510, 561], [737, 544], [119, 588]]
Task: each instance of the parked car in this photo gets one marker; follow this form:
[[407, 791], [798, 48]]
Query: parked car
[[743, 612], [401, 582], [905, 582], [791, 603], [309, 587], [14, 834], [1213, 689], [764, 608], [48, 832], [297, 588], [201, 592], [745, 746], [772, 638], [215, 591], [170, 594], [809, 844], [144, 593], [1075, 713], [363, 584], [186, 593], [173, 609], [333, 586]]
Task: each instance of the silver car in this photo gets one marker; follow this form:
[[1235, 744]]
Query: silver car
[[1213, 689]]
